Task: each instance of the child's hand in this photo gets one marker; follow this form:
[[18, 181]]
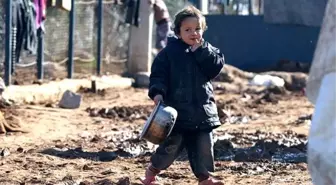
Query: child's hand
[[158, 98], [197, 44]]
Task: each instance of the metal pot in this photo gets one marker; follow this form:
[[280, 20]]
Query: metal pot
[[159, 124]]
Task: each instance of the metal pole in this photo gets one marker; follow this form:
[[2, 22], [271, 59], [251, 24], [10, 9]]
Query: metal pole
[[8, 45], [99, 34], [71, 39], [40, 54], [40, 48]]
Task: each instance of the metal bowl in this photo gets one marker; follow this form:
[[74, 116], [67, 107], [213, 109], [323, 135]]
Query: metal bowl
[[159, 124]]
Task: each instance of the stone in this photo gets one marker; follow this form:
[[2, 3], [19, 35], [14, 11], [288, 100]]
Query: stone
[[70, 100]]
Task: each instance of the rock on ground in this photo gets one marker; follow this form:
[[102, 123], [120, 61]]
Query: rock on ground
[[70, 100]]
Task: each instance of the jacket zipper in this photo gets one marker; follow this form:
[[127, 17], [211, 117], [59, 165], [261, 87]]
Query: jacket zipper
[[194, 94]]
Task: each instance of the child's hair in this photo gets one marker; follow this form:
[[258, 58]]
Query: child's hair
[[189, 11]]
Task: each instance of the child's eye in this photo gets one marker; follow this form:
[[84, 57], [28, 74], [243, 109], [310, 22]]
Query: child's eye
[[198, 29]]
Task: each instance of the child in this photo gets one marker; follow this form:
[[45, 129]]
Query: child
[[181, 77]]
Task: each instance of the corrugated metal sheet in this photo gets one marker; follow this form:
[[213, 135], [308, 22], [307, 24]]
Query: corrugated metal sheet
[[251, 44]]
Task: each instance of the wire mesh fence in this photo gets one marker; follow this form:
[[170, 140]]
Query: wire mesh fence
[[115, 36]]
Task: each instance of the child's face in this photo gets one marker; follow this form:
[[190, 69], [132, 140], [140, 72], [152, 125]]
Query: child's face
[[191, 31]]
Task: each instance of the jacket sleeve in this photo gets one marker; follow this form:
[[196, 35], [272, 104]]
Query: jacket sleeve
[[158, 79], [210, 60]]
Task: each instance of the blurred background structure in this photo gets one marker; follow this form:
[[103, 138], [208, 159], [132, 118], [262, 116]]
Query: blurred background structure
[[255, 35]]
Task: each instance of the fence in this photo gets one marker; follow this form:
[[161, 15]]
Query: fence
[[247, 41], [114, 48]]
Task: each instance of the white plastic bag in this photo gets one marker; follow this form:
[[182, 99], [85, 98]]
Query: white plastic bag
[[267, 80]]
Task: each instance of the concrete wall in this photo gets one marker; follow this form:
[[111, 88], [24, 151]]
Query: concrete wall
[[251, 44]]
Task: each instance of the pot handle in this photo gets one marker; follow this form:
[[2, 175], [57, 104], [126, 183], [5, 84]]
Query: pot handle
[[161, 103]]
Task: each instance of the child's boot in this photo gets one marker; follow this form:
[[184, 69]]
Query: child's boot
[[150, 176], [210, 181]]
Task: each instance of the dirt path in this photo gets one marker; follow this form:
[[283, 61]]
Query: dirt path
[[69, 145]]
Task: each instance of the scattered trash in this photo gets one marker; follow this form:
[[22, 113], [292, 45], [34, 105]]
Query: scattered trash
[[124, 181], [288, 147], [304, 119], [121, 112], [267, 80], [4, 152]]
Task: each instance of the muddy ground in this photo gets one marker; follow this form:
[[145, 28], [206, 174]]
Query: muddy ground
[[262, 140]]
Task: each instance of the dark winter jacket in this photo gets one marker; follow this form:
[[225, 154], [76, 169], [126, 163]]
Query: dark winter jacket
[[183, 78]]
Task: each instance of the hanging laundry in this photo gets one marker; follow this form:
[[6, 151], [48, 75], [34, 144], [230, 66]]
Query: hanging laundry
[[63, 4], [132, 15], [23, 28], [136, 15], [40, 8]]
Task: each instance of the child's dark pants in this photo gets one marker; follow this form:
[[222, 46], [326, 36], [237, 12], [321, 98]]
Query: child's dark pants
[[199, 145]]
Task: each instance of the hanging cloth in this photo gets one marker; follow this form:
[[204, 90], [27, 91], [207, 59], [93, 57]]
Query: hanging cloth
[[24, 34], [132, 15], [40, 8], [30, 34], [17, 31]]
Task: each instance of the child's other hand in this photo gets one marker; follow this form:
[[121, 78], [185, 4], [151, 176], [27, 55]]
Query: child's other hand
[[158, 98]]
